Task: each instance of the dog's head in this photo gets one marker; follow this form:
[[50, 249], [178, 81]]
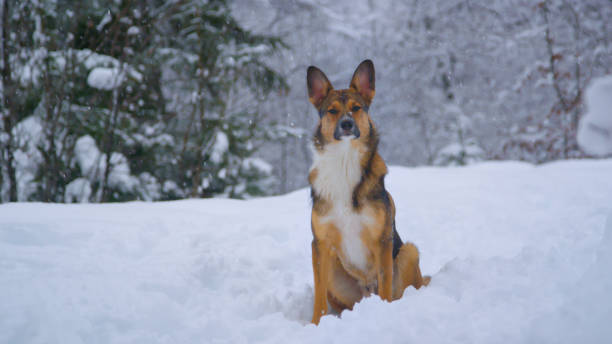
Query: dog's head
[[343, 114]]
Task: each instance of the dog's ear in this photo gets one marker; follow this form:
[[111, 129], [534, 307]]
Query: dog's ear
[[363, 81], [318, 86]]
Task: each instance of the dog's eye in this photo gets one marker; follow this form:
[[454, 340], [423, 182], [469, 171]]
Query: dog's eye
[[356, 108], [333, 111]]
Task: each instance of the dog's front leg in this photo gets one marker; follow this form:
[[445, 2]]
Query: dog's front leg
[[321, 252], [384, 264]]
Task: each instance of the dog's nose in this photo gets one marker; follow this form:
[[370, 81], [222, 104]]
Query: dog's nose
[[346, 124]]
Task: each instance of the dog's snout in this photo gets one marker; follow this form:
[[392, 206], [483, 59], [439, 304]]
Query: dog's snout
[[347, 124], [346, 127]]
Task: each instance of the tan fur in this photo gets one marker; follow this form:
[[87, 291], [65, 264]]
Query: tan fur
[[352, 214], [406, 271]]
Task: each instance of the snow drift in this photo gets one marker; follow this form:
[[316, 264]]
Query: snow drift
[[518, 254]]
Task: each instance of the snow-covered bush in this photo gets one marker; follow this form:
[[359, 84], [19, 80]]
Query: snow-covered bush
[[456, 154], [464, 150], [78, 191]]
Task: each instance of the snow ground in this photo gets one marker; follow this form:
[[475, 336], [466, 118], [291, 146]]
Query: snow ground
[[518, 254]]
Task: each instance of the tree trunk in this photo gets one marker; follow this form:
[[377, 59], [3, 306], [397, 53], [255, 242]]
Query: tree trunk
[[51, 168], [110, 127]]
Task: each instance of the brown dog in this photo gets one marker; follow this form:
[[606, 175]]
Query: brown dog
[[356, 249]]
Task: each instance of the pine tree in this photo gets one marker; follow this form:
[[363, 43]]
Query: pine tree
[[218, 67], [132, 99]]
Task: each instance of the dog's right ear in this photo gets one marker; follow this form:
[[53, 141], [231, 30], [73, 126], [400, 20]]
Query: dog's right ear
[[318, 86]]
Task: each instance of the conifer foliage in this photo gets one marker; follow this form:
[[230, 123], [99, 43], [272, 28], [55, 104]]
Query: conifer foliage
[[132, 99]]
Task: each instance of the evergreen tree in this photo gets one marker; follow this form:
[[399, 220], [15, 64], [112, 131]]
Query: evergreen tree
[[218, 68], [131, 99], [19, 98]]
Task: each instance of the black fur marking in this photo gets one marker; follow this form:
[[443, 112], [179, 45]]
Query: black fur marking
[[397, 242], [355, 193], [373, 146], [380, 193], [366, 172], [313, 196], [319, 140]]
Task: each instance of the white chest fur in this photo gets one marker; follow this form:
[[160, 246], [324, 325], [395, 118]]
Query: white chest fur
[[338, 172]]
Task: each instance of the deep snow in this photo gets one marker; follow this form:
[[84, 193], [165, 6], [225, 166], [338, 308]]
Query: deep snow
[[517, 253]]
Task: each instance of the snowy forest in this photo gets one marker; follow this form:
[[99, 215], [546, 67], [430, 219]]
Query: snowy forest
[[117, 100]]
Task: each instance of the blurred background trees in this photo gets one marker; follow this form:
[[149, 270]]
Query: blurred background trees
[[133, 99], [120, 100]]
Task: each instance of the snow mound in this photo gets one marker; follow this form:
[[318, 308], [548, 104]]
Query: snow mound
[[78, 190], [595, 129], [104, 78], [89, 157], [219, 148], [518, 254]]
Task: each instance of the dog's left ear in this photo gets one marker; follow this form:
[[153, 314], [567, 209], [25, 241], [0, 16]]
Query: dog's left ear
[[363, 81]]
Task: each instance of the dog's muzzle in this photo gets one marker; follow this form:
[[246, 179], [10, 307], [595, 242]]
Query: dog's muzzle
[[346, 127]]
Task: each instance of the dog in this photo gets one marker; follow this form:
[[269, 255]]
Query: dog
[[356, 250]]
